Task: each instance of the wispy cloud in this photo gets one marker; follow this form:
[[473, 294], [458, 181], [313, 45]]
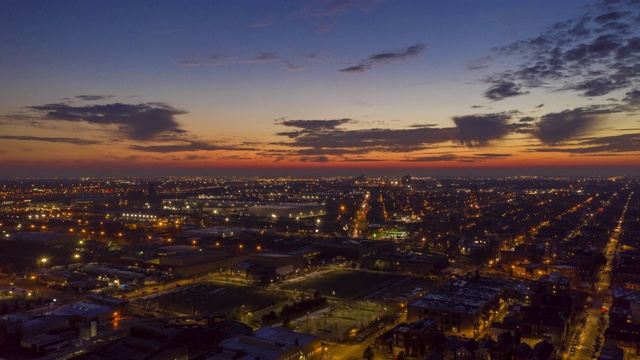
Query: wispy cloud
[[213, 60], [386, 57], [184, 147], [261, 58], [331, 8], [292, 67], [75, 141], [434, 158], [263, 23], [456, 157], [93, 97], [314, 125]]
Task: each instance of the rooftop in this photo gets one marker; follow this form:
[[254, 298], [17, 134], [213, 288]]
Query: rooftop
[[461, 295]]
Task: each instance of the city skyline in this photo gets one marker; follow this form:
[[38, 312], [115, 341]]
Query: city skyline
[[320, 88]]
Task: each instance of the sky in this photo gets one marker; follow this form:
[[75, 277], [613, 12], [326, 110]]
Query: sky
[[319, 87]]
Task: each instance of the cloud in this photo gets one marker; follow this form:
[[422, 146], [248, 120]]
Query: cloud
[[632, 97], [357, 68], [320, 159], [454, 157], [418, 126], [386, 57], [598, 86], [266, 57], [263, 23], [609, 144], [315, 124], [213, 60], [493, 156], [188, 145], [93, 97], [436, 158], [479, 130], [521, 127], [325, 137], [503, 90], [137, 122], [595, 52], [331, 8], [554, 128], [262, 58], [611, 16], [75, 141], [292, 67]]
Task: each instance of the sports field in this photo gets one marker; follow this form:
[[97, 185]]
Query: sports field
[[214, 297], [345, 284]]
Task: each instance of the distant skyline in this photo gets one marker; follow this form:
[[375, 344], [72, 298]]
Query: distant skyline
[[325, 87]]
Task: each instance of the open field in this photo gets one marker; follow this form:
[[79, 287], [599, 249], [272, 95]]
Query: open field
[[345, 284]]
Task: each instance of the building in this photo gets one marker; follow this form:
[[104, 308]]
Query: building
[[624, 318], [463, 307], [555, 283], [45, 343], [351, 249], [409, 338], [189, 264], [85, 312], [271, 343], [24, 326], [283, 264], [544, 323], [611, 352]]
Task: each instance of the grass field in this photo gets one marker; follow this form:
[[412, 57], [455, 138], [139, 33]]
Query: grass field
[[345, 283], [215, 298]]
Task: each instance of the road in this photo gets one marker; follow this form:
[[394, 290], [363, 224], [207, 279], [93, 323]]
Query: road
[[360, 222], [587, 338]]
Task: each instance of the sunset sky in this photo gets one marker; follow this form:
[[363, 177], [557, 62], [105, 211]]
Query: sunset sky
[[326, 87]]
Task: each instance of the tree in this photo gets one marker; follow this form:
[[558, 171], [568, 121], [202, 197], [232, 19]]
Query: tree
[[287, 323], [368, 353]]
